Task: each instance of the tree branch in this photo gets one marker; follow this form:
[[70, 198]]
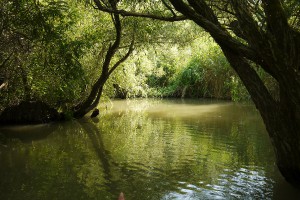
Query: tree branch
[[276, 18], [220, 35], [203, 9], [169, 8], [113, 48], [125, 13], [6, 60], [123, 58], [224, 10]]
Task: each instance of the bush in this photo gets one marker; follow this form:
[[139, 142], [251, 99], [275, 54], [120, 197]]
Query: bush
[[206, 75]]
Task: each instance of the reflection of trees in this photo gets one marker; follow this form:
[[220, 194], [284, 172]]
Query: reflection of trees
[[165, 152], [62, 167], [142, 155], [27, 133]]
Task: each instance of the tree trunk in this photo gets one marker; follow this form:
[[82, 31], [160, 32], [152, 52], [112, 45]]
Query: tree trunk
[[94, 97], [287, 151], [281, 118], [92, 101], [284, 132], [276, 49]]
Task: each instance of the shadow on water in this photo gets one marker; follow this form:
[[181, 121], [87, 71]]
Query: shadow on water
[[26, 133]]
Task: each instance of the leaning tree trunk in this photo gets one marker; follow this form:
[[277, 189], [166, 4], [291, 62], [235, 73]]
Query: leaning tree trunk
[[281, 118], [284, 131], [276, 49], [94, 97], [92, 101]]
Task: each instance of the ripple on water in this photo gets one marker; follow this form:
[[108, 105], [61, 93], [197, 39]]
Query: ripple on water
[[141, 170], [243, 183]]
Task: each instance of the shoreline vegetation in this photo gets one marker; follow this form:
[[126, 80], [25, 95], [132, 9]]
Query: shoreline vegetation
[[205, 75], [63, 66]]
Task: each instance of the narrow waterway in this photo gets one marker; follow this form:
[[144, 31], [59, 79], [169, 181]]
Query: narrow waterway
[[147, 149]]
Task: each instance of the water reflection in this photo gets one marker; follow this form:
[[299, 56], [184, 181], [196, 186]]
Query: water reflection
[[26, 133], [148, 150]]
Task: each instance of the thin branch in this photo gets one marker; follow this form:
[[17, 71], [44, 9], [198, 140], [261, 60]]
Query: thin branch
[[169, 8], [224, 9], [125, 13], [123, 58], [5, 61]]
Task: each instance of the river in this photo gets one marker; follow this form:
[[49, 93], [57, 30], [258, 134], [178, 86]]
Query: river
[[149, 150]]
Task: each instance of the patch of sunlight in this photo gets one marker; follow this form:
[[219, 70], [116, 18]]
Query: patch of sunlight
[[158, 108]]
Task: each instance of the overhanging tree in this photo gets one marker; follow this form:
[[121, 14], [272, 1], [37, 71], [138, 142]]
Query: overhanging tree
[[262, 32], [107, 68], [36, 40]]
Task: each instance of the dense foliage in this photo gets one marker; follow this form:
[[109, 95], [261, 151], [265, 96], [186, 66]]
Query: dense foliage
[[40, 57], [51, 51], [194, 70]]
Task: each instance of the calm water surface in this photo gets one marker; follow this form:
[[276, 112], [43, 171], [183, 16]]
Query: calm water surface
[[148, 149]]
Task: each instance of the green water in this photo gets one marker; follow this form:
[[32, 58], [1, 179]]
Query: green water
[[147, 149]]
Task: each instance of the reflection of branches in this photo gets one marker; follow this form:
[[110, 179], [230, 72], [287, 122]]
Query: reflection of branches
[[103, 155]]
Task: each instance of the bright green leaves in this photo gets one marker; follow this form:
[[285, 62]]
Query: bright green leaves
[[207, 74], [38, 37]]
